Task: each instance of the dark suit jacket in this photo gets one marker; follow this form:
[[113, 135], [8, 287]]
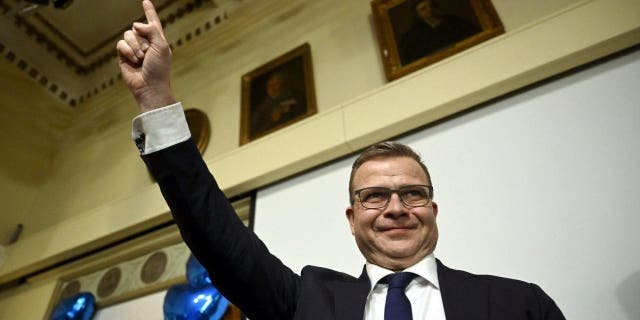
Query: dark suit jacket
[[242, 268]]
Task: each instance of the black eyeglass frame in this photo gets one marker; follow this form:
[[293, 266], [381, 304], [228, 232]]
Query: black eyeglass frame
[[398, 191]]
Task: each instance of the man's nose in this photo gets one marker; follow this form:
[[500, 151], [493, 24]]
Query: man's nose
[[395, 206]]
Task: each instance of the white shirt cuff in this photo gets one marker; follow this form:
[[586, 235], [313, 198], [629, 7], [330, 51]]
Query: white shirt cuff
[[160, 128]]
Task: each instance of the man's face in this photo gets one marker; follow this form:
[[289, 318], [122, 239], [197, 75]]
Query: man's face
[[424, 10], [395, 236], [274, 86]]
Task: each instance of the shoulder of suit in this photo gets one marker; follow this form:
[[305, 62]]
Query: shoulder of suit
[[494, 281], [326, 274]]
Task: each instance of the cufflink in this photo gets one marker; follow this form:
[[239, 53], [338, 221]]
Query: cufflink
[[140, 142]]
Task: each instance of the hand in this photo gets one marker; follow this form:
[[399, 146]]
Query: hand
[[145, 62]]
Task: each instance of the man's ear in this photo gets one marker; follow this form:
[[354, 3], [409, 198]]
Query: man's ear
[[435, 208], [349, 213]]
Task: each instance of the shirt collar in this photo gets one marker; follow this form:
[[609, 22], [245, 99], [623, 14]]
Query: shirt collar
[[425, 268]]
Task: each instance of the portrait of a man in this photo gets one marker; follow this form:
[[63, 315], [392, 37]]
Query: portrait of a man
[[277, 94], [278, 101], [413, 34], [433, 28]]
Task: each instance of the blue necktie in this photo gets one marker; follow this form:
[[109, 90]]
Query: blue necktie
[[397, 306]]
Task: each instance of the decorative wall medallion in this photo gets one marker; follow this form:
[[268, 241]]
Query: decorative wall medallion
[[154, 267], [109, 282], [72, 288], [199, 126]]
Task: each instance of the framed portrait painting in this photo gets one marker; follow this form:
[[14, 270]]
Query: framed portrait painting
[[413, 34], [277, 94]]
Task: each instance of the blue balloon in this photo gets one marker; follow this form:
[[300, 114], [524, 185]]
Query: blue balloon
[[196, 274], [78, 307], [185, 302]]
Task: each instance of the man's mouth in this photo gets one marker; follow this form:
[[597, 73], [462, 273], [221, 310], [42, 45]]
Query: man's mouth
[[395, 228]]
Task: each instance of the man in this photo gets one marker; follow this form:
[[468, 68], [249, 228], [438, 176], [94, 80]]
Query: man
[[391, 215]]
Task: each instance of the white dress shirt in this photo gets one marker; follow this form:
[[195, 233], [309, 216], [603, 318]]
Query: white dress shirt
[[423, 291]]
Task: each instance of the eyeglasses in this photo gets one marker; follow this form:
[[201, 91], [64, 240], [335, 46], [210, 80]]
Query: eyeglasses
[[411, 196]]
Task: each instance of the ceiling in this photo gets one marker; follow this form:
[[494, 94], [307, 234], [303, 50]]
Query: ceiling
[[67, 50]]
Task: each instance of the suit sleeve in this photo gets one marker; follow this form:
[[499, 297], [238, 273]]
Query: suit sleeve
[[238, 262], [548, 310]]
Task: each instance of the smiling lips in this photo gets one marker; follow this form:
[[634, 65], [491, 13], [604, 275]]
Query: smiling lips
[[394, 228], [397, 233]]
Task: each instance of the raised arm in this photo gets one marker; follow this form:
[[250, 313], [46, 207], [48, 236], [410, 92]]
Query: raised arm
[[145, 62], [240, 265]]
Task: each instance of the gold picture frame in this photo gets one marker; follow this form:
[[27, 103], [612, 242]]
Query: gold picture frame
[[277, 94], [413, 34]]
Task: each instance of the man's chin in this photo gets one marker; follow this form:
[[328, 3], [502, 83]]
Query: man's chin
[[398, 260], [401, 250]]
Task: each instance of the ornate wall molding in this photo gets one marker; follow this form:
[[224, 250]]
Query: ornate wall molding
[[140, 266], [72, 75]]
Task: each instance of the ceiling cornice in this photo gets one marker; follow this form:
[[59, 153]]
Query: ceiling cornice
[[72, 74]]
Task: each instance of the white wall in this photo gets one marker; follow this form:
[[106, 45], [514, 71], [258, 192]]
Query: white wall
[[539, 186], [147, 307]]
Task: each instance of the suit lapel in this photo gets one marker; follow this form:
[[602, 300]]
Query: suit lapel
[[462, 297], [350, 298]]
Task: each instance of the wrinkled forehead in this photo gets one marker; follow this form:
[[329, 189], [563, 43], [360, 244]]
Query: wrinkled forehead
[[389, 169]]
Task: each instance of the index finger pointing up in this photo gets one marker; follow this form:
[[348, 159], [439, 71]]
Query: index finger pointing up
[[151, 14]]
